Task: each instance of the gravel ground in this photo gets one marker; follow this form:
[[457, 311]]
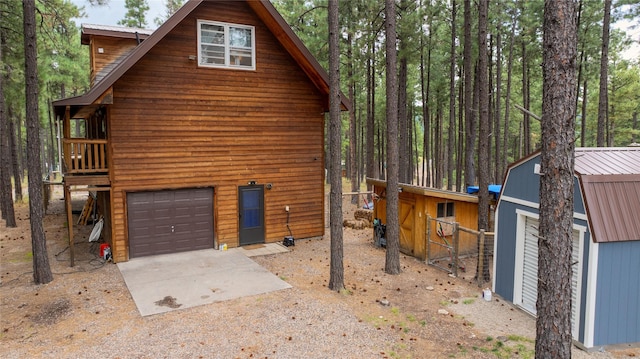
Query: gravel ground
[[87, 311]]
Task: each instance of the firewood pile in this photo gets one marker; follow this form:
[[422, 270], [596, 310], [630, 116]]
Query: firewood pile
[[363, 218]]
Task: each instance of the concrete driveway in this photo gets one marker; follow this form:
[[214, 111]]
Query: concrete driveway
[[169, 282]]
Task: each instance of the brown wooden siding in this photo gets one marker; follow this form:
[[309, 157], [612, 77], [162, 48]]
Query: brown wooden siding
[[114, 49], [415, 206], [175, 125]]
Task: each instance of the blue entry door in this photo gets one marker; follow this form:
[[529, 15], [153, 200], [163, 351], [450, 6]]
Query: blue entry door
[[251, 214]]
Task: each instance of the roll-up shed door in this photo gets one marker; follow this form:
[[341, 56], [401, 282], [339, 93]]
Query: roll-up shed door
[[530, 270]]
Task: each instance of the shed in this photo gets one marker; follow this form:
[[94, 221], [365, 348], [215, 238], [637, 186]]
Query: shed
[[415, 204], [208, 131], [606, 247]]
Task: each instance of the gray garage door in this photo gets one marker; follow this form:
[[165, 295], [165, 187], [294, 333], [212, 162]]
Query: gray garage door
[[170, 221]]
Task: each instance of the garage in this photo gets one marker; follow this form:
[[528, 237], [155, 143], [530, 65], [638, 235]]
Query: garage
[[170, 221]]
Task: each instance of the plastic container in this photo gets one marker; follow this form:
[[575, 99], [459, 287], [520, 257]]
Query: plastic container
[[103, 248], [486, 294]]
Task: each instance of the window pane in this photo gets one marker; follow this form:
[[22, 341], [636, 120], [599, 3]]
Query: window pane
[[240, 57], [212, 34], [450, 209], [239, 37], [212, 54]]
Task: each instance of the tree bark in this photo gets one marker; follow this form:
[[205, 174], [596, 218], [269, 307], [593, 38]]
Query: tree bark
[[470, 123], [507, 97], [14, 147], [392, 262], [403, 130], [483, 136], [41, 269], [497, 177], [336, 277], [451, 140], [6, 198], [371, 163], [583, 123], [353, 138], [526, 133], [603, 98], [553, 324]]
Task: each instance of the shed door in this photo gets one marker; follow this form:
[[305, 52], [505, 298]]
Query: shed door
[[170, 221], [407, 219], [530, 270]]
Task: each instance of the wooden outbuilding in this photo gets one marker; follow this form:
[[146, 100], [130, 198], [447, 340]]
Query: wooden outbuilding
[[208, 131], [416, 204]]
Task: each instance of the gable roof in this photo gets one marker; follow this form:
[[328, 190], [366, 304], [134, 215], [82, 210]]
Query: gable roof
[[263, 9], [610, 184], [609, 180], [112, 31]]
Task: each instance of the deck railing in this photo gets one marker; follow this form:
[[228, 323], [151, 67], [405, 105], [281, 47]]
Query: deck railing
[[85, 156]]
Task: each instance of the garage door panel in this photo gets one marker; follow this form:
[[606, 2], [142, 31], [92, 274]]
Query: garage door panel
[[170, 221]]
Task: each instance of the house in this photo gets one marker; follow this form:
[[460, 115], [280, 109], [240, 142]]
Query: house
[[207, 132], [606, 243], [415, 205]]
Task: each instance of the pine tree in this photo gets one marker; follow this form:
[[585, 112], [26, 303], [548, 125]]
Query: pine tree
[[553, 324], [136, 13]]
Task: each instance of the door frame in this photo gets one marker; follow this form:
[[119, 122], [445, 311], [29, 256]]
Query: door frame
[[255, 235], [519, 268]]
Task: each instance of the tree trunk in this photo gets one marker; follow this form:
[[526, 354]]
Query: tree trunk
[[603, 98], [437, 147], [451, 138], [583, 124], [371, 163], [403, 129], [497, 177], [507, 98], [353, 139], [460, 155], [470, 123], [6, 198], [392, 262], [634, 126], [483, 136], [526, 133], [336, 276], [14, 147], [553, 324], [41, 269], [426, 140]]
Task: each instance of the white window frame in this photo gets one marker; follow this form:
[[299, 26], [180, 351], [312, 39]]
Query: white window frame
[[227, 47]]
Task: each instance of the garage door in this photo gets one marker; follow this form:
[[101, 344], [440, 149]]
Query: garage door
[[170, 221], [530, 270]]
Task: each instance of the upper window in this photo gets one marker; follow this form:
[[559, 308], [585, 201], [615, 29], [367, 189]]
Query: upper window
[[226, 45], [445, 209]]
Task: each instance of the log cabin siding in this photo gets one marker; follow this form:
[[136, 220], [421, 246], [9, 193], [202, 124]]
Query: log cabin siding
[[176, 125], [113, 50]]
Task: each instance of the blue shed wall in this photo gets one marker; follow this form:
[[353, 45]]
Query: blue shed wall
[[522, 184], [617, 312], [506, 248]]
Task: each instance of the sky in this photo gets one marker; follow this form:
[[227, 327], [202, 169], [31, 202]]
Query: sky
[[113, 12]]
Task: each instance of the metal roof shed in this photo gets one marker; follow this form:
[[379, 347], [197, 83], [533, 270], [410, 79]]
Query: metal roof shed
[[606, 289]]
